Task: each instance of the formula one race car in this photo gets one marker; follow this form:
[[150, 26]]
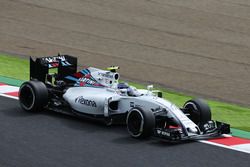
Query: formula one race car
[[97, 94]]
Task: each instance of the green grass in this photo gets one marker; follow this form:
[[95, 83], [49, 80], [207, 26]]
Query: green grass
[[237, 116], [14, 67]]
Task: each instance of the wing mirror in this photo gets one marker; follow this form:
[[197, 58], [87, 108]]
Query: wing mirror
[[150, 87], [156, 92]]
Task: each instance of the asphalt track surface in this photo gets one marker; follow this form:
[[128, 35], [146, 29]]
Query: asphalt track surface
[[49, 139], [200, 47]]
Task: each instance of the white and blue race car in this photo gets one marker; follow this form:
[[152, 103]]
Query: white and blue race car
[[98, 94]]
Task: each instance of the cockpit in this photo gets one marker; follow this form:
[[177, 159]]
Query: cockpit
[[127, 90]]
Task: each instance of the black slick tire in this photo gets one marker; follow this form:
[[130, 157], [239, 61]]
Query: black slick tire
[[33, 96], [140, 123], [199, 111]]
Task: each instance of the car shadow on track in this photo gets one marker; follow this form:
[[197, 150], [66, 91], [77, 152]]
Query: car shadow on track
[[151, 141], [82, 124], [118, 132]]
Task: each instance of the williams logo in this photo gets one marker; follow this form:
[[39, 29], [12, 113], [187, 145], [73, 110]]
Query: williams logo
[[86, 102]]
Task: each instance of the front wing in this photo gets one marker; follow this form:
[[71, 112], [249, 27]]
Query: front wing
[[216, 129]]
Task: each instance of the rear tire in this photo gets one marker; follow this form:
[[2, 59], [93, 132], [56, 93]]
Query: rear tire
[[140, 123], [199, 111], [33, 96]]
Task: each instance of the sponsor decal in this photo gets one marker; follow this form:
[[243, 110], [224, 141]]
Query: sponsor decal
[[86, 102], [87, 81], [132, 104], [107, 75], [163, 133], [54, 59]]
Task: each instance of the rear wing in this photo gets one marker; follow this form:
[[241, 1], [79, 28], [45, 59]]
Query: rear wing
[[65, 64]]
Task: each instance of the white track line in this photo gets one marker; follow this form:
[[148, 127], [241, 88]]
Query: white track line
[[235, 147], [12, 97]]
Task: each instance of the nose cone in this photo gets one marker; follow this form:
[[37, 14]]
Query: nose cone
[[193, 130]]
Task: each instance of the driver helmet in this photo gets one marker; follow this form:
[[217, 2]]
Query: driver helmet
[[122, 86]]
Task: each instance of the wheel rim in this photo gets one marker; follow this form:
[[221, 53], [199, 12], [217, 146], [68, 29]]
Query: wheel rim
[[194, 112], [27, 97], [135, 123]]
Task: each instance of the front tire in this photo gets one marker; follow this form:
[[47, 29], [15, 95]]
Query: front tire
[[140, 123], [33, 96], [198, 111]]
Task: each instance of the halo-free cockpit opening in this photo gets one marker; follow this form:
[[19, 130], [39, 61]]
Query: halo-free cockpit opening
[[128, 90]]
